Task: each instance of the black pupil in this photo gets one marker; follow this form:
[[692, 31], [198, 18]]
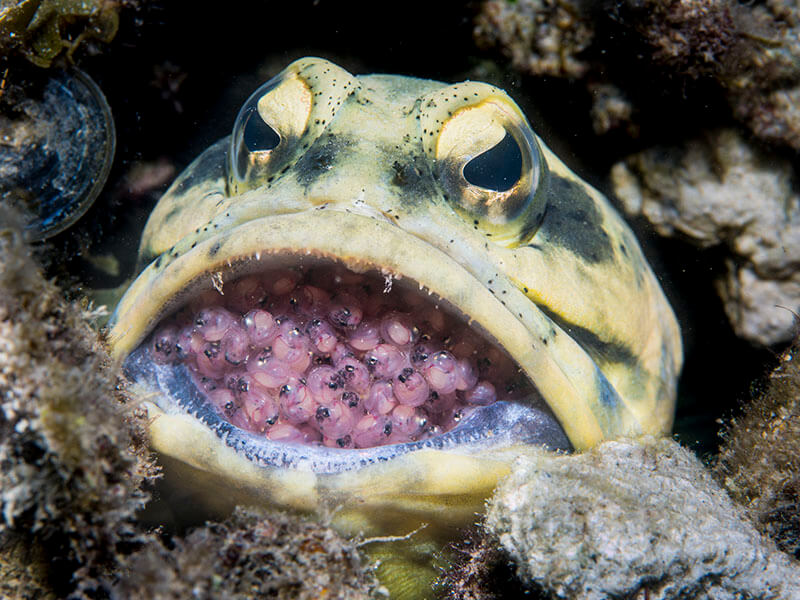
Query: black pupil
[[498, 169], [258, 136]]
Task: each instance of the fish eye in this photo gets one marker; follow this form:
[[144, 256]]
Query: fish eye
[[256, 140], [498, 169], [488, 161], [276, 112], [258, 136], [282, 119]]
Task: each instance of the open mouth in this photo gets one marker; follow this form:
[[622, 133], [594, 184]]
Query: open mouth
[[317, 355]]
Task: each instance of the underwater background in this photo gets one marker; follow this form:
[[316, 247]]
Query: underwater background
[[627, 93]]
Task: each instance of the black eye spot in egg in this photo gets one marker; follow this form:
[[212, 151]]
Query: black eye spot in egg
[[498, 169], [258, 136]]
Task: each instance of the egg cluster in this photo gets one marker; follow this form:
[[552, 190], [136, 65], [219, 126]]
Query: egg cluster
[[329, 356]]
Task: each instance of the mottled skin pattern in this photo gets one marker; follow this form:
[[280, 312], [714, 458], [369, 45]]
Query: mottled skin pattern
[[368, 171]]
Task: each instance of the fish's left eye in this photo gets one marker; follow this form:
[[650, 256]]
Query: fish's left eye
[[487, 160]]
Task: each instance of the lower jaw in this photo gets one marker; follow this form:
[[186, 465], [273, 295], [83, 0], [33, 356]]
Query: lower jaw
[[248, 406]]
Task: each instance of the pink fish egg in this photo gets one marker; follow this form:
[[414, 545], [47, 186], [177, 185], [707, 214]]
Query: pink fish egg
[[396, 328], [213, 322], [259, 405], [322, 336], [370, 431], [324, 384], [271, 373], [466, 375], [235, 345], [344, 442], [260, 327], [380, 400], [163, 345], [311, 301], [246, 293], [353, 373], [345, 311], [440, 372], [334, 421], [482, 394], [407, 422], [283, 282], [365, 336], [286, 433], [296, 403], [410, 388], [385, 360]]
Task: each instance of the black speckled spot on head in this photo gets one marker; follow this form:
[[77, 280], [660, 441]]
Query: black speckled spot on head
[[212, 252], [411, 175], [572, 220], [320, 158], [610, 351]]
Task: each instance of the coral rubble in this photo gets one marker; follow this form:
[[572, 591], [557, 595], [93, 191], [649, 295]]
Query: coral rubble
[[480, 570], [719, 189], [751, 51], [633, 517], [759, 463]]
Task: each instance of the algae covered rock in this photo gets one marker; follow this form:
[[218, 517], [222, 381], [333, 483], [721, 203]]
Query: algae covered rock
[[759, 463], [540, 37], [73, 454], [633, 517], [41, 29], [249, 555]]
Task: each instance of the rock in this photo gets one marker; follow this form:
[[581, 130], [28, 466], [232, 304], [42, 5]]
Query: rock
[[720, 190], [633, 519], [73, 450], [751, 51], [541, 37]]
